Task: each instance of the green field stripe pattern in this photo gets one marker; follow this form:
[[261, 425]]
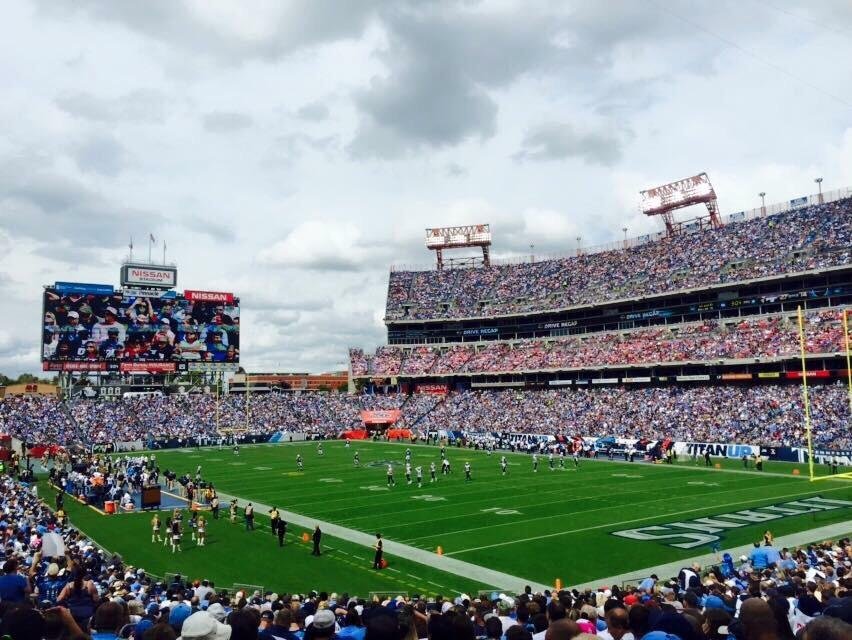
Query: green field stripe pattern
[[234, 555], [541, 526]]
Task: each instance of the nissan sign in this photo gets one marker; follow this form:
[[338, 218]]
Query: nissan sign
[[138, 275]]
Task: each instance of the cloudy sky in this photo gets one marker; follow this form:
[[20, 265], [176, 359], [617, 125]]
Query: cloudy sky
[[292, 151]]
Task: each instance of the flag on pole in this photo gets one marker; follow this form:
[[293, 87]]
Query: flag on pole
[[152, 238], [131, 243]]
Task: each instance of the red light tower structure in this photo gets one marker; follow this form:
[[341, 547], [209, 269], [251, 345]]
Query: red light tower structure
[[472, 235], [666, 199]]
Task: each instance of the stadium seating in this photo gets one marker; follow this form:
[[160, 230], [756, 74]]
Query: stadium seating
[[763, 414], [748, 338], [798, 240]]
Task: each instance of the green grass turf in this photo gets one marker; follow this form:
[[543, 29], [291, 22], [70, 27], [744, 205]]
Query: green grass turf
[[540, 526], [233, 555]]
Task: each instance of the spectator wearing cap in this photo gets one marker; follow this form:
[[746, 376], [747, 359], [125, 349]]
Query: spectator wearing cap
[[648, 584], [100, 331], [202, 626], [177, 615], [141, 627], [50, 585], [322, 627]]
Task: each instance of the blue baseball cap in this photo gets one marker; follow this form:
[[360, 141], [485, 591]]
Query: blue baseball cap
[[659, 635], [178, 614], [141, 627]]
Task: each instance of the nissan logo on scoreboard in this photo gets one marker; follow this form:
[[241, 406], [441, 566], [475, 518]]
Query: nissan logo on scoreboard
[[137, 275]]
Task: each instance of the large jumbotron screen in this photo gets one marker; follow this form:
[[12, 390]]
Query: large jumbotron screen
[[113, 330]]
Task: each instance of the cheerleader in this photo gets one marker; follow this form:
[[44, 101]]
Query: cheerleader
[[176, 535], [201, 525], [156, 527]]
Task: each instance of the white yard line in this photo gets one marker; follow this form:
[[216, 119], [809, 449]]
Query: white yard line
[[634, 520]]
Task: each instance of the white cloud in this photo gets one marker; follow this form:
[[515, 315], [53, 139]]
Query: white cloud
[[322, 246]]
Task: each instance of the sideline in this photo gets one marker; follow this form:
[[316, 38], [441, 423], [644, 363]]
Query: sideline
[[497, 579], [837, 530]]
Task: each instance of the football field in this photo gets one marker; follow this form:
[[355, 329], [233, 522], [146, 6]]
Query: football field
[[576, 525]]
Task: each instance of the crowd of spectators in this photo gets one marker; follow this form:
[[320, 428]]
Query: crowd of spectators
[[747, 338], [764, 414], [180, 417], [798, 240], [769, 414], [57, 584], [37, 419]]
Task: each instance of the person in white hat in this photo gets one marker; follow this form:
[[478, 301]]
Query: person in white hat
[[201, 625]]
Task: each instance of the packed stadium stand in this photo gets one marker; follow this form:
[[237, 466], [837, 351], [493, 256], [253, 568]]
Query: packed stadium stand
[[764, 337], [688, 334], [815, 237], [761, 414]]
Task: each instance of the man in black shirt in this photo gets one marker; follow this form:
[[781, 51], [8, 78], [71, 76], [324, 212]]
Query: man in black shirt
[[249, 517], [317, 540], [379, 547], [281, 531]]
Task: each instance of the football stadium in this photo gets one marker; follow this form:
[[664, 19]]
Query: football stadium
[[649, 437]]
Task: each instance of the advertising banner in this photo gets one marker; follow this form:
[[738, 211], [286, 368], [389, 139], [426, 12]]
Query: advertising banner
[[147, 367], [380, 416], [798, 202], [480, 331], [148, 276], [635, 379], [736, 376], [84, 288], [209, 296], [74, 366], [825, 456], [716, 449], [797, 375], [432, 389], [701, 377]]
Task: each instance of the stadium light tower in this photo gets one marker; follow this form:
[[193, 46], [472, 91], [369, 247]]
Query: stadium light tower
[[473, 235], [666, 199], [819, 186], [762, 195]]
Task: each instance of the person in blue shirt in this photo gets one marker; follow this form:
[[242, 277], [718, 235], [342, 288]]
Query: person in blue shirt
[[13, 586], [50, 585], [647, 585], [772, 555], [111, 345], [758, 557]]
